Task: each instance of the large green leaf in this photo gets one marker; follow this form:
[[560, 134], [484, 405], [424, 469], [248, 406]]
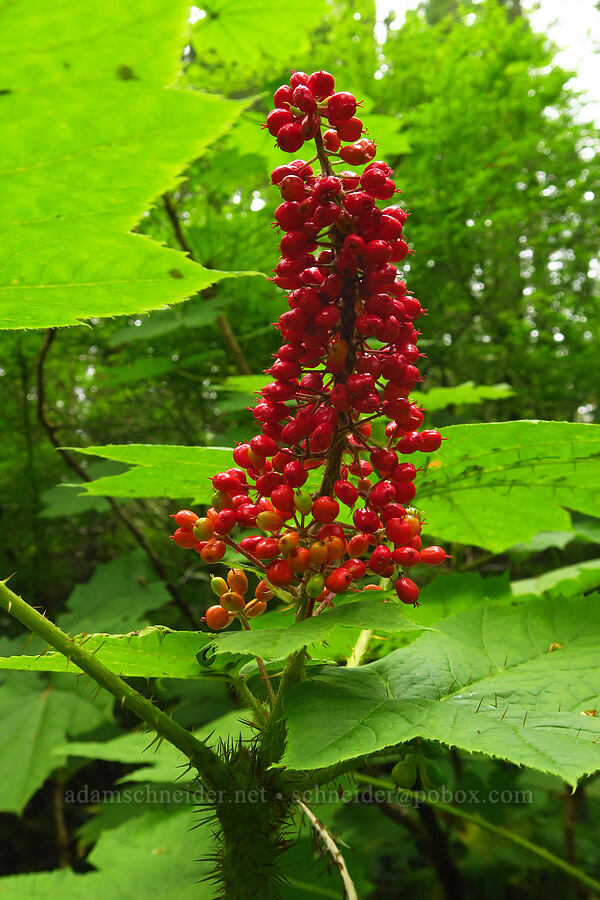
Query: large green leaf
[[157, 849], [160, 471], [152, 652], [91, 137], [116, 598], [36, 718], [565, 581], [274, 643], [493, 485], [489, 680], [160, 763], [278, 30]]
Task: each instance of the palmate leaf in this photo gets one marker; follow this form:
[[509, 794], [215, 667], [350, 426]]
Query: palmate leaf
[[157, 848], [495, 484], [160, 471], [254, 34], [91, 137], [490, 485], [155, 651], [519, 683], [274, 643], [116, 598], [36, 718]]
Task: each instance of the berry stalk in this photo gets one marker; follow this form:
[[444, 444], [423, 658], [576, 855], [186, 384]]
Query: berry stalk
[[325, 485]]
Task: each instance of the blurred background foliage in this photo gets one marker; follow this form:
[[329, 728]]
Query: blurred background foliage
[[499, 167]]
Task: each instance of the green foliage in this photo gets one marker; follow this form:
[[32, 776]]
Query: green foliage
[[36, 717], [153, 652], [161, 764], [275, 643], [565, 581], [119, 140], [106, 111], [157, 471], [502, 184], [156, 850], [493, 485], [466, 686], [116, 598]]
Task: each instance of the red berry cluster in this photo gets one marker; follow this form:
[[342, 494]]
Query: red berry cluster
[[349, 356]]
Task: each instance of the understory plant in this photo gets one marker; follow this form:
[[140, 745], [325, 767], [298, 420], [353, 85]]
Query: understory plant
[[318, 516]]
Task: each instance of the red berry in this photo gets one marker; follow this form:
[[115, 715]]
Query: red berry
[[405, 556], [356, 567], [345, 492], [290, 137], [380, 559], [350, 129], [282, 498], [185, 519], [225, 521], [331, 140], [277, 118], [325, 509], [366, 520], [339, 580], [184, 539], [407, 591], [279, 573], [429, 441], [341, 106], [283, 96], [399, 531], [433, 556], [322, 84]]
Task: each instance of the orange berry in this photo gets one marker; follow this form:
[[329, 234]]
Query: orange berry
[[255, 608], [263, 591], [317, 553], [232, 601], [237, 581], [217, 617], [288, 542], [214, 551], [299, 560], [336, 547]]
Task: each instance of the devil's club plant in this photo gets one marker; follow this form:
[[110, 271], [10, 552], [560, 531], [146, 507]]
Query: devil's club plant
[[326, 487], [320, 502]]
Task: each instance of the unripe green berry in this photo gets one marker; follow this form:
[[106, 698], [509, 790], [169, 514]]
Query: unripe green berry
[[315, 585]]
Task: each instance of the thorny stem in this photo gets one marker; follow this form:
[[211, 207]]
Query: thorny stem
[[323, 834], [73, 463], [200, 756]]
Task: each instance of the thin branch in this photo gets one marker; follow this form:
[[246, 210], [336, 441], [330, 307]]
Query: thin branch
[[222, 320], [332, 848], [201, 757], [63, 841], [76, 466]]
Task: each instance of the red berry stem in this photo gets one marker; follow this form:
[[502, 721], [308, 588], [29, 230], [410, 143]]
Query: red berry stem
[[348, 357]]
